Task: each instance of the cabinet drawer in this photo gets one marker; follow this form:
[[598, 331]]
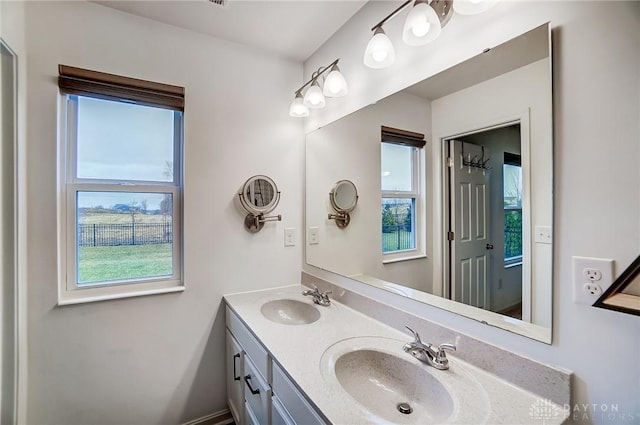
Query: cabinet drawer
[[249, 343], [257, 392], [279, 415], [249, 416], [293, 401]]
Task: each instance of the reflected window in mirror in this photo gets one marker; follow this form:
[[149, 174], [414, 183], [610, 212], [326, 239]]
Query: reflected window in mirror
[[512, 195], [400, 173]]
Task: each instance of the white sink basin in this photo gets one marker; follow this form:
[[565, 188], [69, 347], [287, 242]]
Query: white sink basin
[[290, 312], [388, 385]]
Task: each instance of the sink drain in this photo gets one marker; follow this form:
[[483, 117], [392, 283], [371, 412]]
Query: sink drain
[[404, 408]]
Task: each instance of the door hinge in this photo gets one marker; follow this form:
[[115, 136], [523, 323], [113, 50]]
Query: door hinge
[[450, 236], [449, 162]]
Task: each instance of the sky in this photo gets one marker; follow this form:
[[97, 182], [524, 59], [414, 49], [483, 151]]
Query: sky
[[125, 142]]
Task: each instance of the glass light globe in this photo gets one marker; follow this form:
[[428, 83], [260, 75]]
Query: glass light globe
[[314, 98], [334, 84], [380, 52], [421, 26], [297, 109]]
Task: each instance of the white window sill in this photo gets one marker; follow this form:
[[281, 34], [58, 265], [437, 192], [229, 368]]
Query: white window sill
[[82, 296], [408, 257]]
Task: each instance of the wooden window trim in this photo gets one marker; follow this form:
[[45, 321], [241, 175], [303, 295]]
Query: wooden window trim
[[401, 137], [84, 82]]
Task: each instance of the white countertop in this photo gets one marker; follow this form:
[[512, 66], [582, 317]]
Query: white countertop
[[299, 350]]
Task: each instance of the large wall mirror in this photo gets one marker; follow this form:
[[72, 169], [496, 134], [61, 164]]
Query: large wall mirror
[[464, 222]]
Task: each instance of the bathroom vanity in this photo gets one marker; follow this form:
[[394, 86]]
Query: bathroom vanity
[[290, 361]]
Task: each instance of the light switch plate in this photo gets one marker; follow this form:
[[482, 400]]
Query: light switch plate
[[314, 237], [289, 236]]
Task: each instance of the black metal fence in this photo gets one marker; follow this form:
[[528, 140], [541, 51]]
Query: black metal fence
[[99, 234]]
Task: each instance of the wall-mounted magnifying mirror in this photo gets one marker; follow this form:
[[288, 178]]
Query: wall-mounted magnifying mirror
[[343, 198], [258, 196]]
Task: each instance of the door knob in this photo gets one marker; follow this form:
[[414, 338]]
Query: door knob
[[489, 246]]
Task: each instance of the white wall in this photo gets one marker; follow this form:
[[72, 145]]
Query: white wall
[[596, 62], [158, 359], [350, 149]]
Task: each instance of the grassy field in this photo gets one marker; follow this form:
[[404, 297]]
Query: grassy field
[[113, 217], [390, 241], [106, 263]]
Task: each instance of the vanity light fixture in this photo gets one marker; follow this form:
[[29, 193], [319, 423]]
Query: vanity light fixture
[[334, 85], [423, 24]]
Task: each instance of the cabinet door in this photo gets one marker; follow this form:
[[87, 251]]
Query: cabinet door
[[235, 396]]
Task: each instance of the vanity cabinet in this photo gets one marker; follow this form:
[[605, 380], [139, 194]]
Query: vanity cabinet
[[258, 390]]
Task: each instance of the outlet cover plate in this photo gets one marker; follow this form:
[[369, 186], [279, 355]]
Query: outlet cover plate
[[604, 265]]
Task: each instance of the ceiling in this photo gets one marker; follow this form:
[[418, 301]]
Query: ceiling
[[294, 28]]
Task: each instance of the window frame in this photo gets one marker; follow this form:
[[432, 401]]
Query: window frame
[[416, 195], [69, 292]]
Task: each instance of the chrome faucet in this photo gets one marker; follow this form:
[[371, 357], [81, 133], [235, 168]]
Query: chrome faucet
[[427, 353], [320, 298]]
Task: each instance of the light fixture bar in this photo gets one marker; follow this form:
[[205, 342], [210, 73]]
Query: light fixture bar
[[391, 15], [316, 75]]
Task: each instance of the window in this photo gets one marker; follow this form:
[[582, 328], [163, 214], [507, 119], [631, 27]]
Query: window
[[121, 169], [512, 194], [400, 171]]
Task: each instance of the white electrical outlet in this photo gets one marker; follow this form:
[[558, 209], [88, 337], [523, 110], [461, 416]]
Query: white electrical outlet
[[591, 276], [289, 236], [314, 237]]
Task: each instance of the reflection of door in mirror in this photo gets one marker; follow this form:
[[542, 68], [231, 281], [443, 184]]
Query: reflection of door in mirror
[[485, 177]]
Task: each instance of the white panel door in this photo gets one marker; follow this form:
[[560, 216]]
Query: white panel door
[[471, 246]]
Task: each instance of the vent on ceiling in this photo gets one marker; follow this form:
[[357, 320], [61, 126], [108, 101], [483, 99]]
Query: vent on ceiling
[[219, 2]]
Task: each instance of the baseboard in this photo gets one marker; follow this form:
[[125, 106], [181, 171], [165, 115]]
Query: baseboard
[[222, 417]]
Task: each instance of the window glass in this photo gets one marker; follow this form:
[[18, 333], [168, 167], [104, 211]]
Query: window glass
[[512, 185], [398, 224], [123, 236], [123, 141], [397, 167]]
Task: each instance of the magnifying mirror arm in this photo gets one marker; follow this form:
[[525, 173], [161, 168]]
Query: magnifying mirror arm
[[342, 219], [255, 222]]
